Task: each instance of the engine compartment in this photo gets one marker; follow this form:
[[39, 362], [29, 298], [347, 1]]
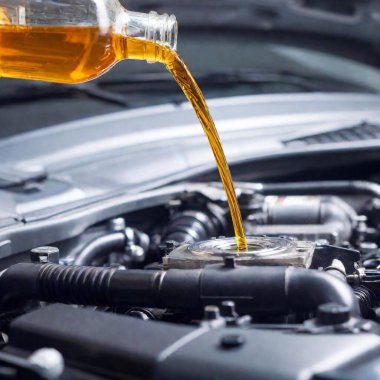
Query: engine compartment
[[160, 289]]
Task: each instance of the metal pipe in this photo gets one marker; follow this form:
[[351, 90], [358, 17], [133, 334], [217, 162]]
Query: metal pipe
[[322, 188], [101, 246]]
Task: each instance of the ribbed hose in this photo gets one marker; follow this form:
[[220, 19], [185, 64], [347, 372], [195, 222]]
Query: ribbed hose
[[193, 226], [76, 285], [253, 289], [367, 299]]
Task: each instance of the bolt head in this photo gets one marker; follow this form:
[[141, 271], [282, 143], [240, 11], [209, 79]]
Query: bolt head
[[229, 262], [50, 361], [211, 313], [332, 314], [117, 224], [45, 254], [228, 309], [232, 341]]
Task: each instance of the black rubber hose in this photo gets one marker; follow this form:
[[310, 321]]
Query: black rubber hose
[[311, 288], [99, 247], [193, 225], [367, 300], [321, 188], [253, 289]]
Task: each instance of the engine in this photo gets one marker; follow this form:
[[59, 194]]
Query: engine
[[161, 290]]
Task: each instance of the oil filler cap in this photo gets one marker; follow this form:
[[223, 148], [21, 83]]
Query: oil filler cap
[[332, 314]]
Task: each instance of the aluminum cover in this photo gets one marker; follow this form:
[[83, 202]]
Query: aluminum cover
[[262, 250]]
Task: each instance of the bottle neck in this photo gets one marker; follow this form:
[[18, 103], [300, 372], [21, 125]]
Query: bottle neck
[[148, 30]]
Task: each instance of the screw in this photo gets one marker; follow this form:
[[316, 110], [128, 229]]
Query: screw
[[117, 224], [332, 314], [229, 262], [228, 309], [211, 313], [43, 255], [232, 341]]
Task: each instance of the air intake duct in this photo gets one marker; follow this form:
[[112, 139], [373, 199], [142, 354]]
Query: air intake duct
[[253, 289]]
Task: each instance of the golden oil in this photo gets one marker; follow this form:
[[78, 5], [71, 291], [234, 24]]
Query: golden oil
[[193, 93], [67, 54]]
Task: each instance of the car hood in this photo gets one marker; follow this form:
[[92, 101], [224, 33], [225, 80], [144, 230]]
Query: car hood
[[78, 164]]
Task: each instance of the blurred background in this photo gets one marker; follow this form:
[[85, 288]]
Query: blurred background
[[235, 47]]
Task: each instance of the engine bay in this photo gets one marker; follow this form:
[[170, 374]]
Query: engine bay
[[161, 291]]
